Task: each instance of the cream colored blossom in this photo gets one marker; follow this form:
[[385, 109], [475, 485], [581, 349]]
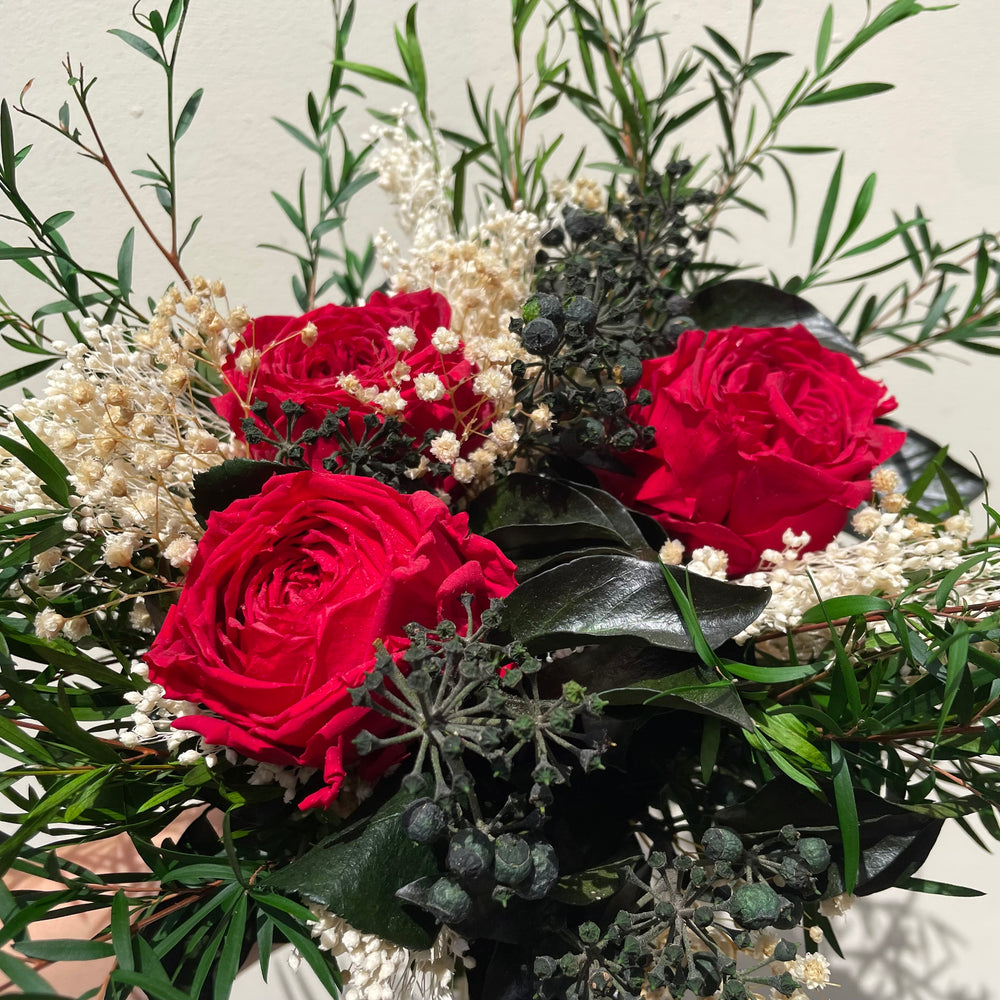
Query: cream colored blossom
[[429, 387], [48, 624], [866, 521], [494, 383], [76, 629], [706, 561], [181, 551], [672, 552], [885, 480], [377, 969], [121, 419], [812, 971], [247, 361], [504, 434], [463, 471], [892, 503], [47, 560], [390, 402], [446, 447], [541, 418], [445, 341], [403, 338]]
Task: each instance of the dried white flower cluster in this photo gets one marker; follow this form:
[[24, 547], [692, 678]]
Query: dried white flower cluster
[[485, 279], [409, 174], [153, 717], [121, 414], [896, 548], [580, 192], [376, 969]]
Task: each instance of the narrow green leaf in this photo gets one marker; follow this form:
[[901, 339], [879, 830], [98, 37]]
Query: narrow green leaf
[[125, 264], [858, 212], [826, 214], [849, 93], [725, 119], [290, 212], [121, 932], [23, 374], [727, 47], [312, 112], [321, 963], [229, 957], [823, 40], [265, 944], [41, 462], [173, 16], [847, 815], [190, 233], [845, 607], [299, 136], [65, 950], [22, 253], [7, 163], [24, 977], [914, 884], [770, 675], [374, 73], [156, 23], [53, 222], [187, 114], [137, 43], [158, 989], [163, 197]]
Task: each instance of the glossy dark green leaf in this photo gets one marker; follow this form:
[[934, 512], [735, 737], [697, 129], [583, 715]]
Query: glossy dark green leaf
[[534, 517], [234, 479], [894, 840], [688, 690], [598, 598], [358, 879], [741, 302]]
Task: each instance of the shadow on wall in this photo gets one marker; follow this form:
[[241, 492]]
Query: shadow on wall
[[895, 950]]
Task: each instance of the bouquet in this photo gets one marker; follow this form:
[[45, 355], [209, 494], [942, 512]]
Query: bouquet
[[549, 607]]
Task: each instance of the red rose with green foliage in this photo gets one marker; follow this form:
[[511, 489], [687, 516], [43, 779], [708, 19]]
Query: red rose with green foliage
[[348, 340], [288, 594], [757, 431]]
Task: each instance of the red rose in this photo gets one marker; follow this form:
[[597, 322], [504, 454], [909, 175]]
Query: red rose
[[285, 599], [349, 340], [756, 431]]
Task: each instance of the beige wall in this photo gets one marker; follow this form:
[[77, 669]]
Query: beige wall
[[934, 140]]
